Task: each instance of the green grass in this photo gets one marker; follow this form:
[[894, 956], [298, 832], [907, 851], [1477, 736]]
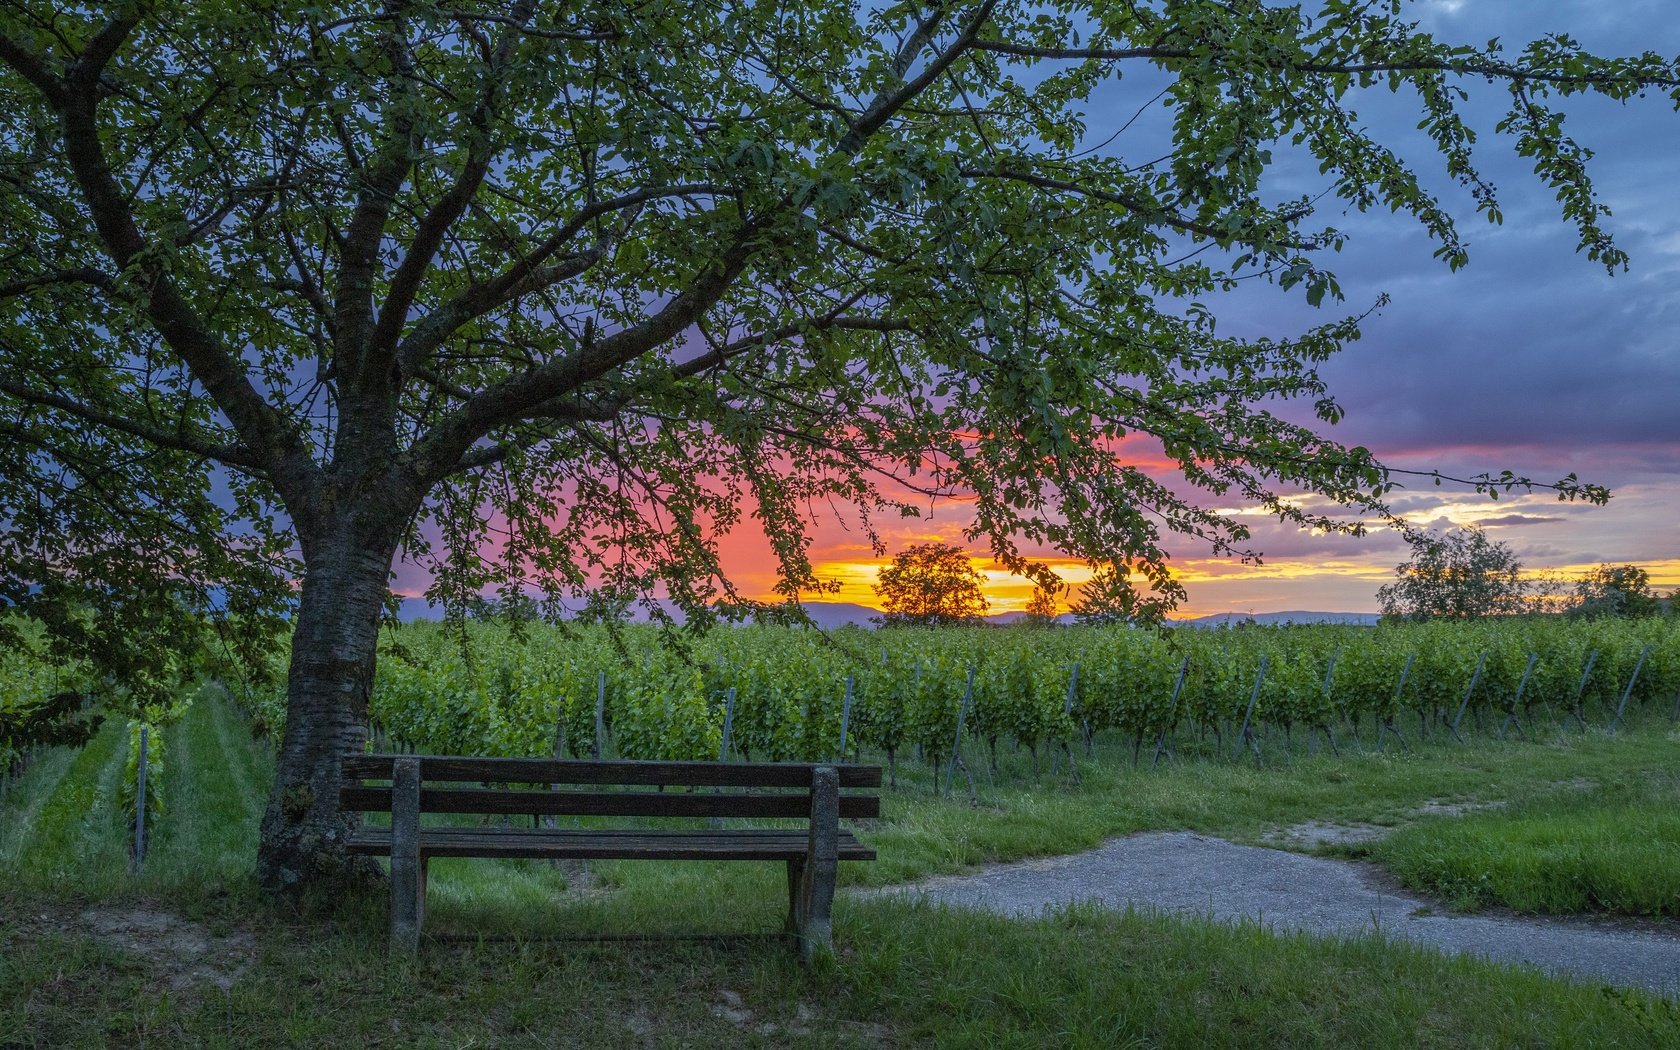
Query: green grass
[[906, 976], [508, 958], [1582, 847], [924, 834]]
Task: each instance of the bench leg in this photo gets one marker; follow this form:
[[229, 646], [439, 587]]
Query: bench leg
[[408, 871], [796, 886], [822, 867]]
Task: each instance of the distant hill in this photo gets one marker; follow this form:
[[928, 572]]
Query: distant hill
[[1232, 619], [831, 615]]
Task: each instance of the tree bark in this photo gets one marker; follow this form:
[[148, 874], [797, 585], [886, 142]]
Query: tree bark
[[334, 644]]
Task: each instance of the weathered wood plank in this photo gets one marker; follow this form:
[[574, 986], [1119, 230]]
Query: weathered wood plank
[[606, 804], [624, 771], [748, 844]]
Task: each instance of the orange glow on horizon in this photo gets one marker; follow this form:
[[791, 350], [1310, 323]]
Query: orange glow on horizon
[[1006, 591]]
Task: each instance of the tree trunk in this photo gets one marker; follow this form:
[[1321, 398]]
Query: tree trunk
[[334, 642]]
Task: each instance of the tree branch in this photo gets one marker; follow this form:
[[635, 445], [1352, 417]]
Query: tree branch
[[33, 68], [383, 175], [1501, 70], [101, 48], [436, 454], [232, 455], [83, 275], [281, 450], [528, 274], [423, 247], [1158, 214], [570, 409], [887, 103]]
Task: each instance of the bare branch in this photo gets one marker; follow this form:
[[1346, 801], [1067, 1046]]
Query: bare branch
[[283, 454], [381, 178]]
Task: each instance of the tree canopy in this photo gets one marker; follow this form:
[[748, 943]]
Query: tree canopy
[[1616, 590], [1456, 574], [549, 297], [932, 585]]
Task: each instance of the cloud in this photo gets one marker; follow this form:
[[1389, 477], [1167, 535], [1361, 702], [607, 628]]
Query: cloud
[[1518, 519]]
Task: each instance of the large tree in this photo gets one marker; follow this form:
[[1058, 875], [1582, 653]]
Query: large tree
[[932, 585], [555, 294], [1458, 574], [1616, 590]]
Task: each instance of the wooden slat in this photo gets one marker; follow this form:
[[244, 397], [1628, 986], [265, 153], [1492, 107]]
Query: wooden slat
[[606, 803], [623, 771], [753, 844]]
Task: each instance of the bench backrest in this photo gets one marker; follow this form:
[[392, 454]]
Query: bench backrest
[[622, 788]]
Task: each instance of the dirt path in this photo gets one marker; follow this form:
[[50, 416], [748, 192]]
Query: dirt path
[[1199, 875]]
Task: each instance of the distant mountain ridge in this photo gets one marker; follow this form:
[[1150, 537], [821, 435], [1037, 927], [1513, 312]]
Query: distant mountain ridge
[[1272, 619], [831, 615]]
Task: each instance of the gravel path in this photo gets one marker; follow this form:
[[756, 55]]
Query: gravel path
[[1195, 874]]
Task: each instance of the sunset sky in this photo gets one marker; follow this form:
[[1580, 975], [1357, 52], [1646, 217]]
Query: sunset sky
[[1530, 359]]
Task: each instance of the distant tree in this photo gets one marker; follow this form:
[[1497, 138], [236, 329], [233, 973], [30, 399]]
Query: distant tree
[[1044, 606], [1110, 598], [1455, 574], [1548, 591], [1616, 590], [932, 584]]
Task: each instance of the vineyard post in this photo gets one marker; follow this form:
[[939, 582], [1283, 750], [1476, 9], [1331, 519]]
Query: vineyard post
[[846, 715], [140, 804], [1329, 697], [1481, 662], [600, 714], [1067, 712], [1516, 701], [1161, 745], [1387, 723], [550, 820], [914, 682], [956, 743], [1643, 653], [1246, 736], [723, 749], [728, 723], [1579, 709]]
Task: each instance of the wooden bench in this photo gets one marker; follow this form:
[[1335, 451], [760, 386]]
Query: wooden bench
[[618, 789]]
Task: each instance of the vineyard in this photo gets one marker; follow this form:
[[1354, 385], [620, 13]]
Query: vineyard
[[785, 693]]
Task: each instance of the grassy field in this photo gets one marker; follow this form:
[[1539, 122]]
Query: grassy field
[[1583, 846], [90, 956]]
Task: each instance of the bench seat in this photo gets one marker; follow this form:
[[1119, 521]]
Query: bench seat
[[607, 844]]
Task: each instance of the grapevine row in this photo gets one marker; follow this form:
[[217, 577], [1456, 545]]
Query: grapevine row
[[498, 695]]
